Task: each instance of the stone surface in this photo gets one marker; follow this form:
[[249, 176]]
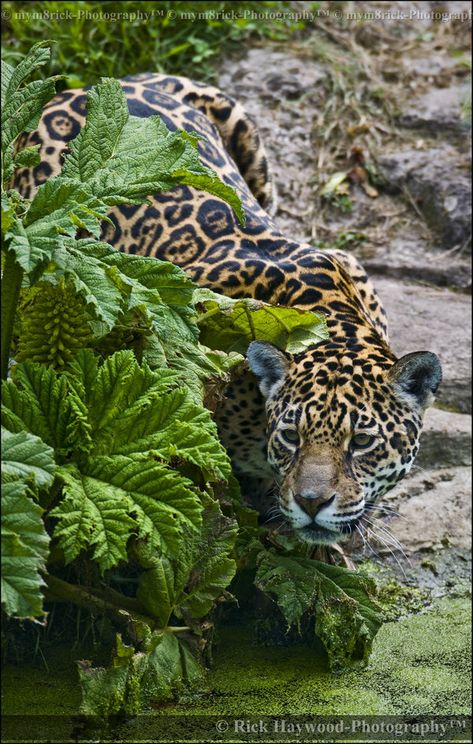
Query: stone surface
[[409, 258], [434, 510], [438, 111], [445, 441], [440, 185], [422, 317]]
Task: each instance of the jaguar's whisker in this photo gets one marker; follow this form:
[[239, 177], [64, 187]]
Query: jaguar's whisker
[[394, 541]]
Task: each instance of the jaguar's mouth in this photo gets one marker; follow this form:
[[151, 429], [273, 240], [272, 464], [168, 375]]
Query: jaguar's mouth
[[314, 533]]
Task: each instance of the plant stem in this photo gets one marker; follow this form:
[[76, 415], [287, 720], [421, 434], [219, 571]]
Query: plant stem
[[61, 591], [11, 285]]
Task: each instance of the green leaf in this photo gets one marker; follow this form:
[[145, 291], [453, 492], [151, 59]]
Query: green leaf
[[113, 497], [28, 157], [101, 286], [346, 616], [12, 77], [293, 582], [118, 408], [137, 679], [159, 587], [213, 565], [200, 367], [161, 291], [125, 159], [165, 423], [31, 252], [24, 552], [230, 324], [61, 205], [44, 404], [189, 585], [95, 145], [347, 619], [22, 102], [92, 514], [26, 458], [26, 461], [119, 395], [192, 443]]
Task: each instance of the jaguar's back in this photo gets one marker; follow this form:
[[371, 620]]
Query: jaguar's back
[[335, 426]]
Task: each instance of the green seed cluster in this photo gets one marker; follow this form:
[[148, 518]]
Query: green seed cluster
[[54, 325]]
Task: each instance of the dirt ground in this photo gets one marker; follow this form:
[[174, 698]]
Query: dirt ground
[[367, 129]]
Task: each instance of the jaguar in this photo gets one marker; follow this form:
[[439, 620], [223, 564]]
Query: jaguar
[[330, 429]]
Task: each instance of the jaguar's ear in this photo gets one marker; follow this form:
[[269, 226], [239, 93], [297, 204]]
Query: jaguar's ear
[[416, 377], [269, 364]]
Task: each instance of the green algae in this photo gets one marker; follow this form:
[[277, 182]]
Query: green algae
[[419, 665], [37, 702]]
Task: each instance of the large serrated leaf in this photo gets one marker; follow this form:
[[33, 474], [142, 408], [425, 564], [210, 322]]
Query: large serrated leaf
[[12, 77], [32, 253], [188, 441], [166, 424], [43, 403], [95, 145], [189, 585], [24, 551], [61, 205], [111, 498], [213, 564], [22, 102], [137, 679], [346, 616], [27, 458], [231, 325], [92, 514]]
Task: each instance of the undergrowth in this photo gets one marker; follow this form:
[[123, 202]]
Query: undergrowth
[[118, 39]]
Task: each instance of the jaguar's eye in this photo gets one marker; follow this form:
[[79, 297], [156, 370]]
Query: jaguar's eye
[[291, 436], [362, 441]]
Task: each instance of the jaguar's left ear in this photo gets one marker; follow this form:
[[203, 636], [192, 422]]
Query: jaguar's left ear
[[269, 364], [416, 377]]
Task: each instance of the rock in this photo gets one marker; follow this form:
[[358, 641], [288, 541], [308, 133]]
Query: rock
[[409, 258], [438, 112], [445, 441], [431, 65], [439, 320], [434, 509], [440, 185]]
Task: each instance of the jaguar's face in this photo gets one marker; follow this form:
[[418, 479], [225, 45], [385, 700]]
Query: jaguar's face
[[340, 435]]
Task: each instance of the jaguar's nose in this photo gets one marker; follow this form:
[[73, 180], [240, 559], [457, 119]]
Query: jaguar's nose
[[311, 503]]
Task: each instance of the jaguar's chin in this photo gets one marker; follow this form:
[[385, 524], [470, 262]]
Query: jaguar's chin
[[318, 535]]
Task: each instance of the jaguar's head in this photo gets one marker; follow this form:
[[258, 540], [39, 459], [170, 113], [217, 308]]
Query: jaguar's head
[[342, 429]]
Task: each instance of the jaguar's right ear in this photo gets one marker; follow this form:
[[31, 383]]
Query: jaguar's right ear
[[269, 364]]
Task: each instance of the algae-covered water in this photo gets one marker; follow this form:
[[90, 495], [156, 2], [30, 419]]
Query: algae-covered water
[[420, 665]]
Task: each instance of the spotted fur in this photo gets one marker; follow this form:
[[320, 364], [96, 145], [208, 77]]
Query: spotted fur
[[336, 426]]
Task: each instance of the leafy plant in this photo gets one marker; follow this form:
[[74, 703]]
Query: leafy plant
[[113, 471], [346, 618], [27, 465]]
